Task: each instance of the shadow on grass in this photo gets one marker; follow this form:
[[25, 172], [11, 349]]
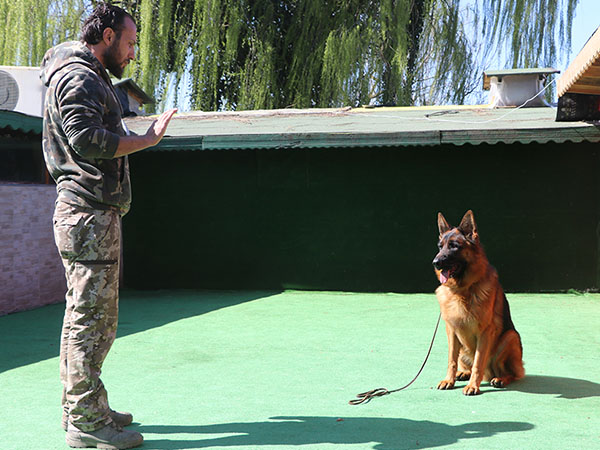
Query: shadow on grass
[[382, 433], [562, 387], [32, 336]]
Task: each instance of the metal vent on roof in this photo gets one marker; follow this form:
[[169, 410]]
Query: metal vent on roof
[[517, 87], [9, 91]]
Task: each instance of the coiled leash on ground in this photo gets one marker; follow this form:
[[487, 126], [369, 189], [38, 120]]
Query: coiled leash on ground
[[366, 397]]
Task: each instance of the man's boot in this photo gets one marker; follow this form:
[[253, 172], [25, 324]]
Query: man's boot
[[110, 437]]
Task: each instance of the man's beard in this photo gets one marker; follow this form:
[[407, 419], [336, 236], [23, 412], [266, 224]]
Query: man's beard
[[113, 65]]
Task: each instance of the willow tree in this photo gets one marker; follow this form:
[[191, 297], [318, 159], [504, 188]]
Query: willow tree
[[250, 54], [535, 31], [29, 27]]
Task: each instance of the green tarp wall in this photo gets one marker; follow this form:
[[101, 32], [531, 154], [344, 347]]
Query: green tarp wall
[[360, 219]]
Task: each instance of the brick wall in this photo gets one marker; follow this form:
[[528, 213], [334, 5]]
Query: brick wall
[[31, 272]]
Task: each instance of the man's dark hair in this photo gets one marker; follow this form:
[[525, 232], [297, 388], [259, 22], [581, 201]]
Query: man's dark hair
[[104, 16]]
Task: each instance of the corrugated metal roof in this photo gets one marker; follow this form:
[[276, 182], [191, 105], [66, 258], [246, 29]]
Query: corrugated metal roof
[[20, 122], [364, 127], [583, 74]]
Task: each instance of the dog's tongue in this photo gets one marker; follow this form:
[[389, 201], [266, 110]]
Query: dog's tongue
[[444, 275]]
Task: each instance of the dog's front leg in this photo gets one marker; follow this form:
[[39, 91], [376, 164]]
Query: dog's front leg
[[479, 364], [453, 350]]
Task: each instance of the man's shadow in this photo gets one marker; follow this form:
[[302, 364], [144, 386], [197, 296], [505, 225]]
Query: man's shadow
[[382, 433], [570, 388]]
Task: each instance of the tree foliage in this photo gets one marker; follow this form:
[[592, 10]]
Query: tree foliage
[[532, 29], [29, 27], [251, 54]]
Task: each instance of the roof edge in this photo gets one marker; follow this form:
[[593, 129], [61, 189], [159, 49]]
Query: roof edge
[[366, 140], [20, 122], [582, 62]]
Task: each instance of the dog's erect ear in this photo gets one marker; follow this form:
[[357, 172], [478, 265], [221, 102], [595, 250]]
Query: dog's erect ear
[[442, 224], [468, 227]]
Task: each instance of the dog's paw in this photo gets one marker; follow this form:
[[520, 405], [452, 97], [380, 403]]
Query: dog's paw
[[463, 376], [445, 385], [471, 389], [497, 382]]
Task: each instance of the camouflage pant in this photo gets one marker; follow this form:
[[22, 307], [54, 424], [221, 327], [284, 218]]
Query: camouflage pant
[[89, 244]]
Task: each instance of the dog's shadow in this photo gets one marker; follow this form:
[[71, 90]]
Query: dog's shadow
[[570, 388]]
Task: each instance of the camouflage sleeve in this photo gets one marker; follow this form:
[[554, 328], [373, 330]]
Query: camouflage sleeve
[[81, 101]]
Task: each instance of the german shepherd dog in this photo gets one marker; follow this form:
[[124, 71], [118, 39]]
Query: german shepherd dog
[[483, 343]]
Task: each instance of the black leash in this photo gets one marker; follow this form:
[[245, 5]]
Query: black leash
[[366, 397]]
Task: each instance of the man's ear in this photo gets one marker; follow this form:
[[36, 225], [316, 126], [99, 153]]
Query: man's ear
[[442, 224], [108, 35], [468, 227]]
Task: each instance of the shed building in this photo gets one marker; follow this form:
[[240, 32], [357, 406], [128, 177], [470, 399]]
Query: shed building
[[346, 199]]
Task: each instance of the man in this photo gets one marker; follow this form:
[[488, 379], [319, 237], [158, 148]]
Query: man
[[85, 147]]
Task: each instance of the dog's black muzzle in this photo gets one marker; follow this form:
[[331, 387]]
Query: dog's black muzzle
[[441, 261], [449, 267]]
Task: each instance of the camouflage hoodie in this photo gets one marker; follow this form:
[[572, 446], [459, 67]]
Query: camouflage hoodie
[[82, 128]]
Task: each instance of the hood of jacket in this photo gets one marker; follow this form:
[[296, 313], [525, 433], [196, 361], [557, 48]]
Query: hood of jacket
[[73, 52]]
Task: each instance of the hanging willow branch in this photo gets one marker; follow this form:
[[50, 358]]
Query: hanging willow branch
[[29, 27], [532, 29]]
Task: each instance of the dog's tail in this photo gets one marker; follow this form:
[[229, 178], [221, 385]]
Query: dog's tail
[[510, 355]]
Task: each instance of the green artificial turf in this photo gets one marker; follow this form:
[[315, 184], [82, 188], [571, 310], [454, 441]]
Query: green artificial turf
[[275, 370]]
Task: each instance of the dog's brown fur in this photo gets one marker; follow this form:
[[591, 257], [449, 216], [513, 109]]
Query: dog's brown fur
[[483, 343]]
